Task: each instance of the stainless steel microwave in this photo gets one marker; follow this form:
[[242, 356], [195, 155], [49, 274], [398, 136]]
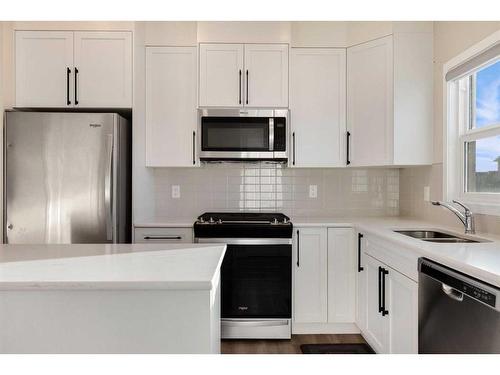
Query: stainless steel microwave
[[243, 134]]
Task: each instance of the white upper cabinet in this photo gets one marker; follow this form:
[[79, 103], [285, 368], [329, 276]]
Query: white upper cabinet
[[221, 75], [310, 275], [389, 100], [171, 119], [44, 66], [73, 69], [239, 75], [369, 71], [266, 75], [103, 63], [317, 107]]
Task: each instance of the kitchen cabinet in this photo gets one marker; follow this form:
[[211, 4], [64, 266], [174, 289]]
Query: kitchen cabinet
[[389, 100], [171, 117], [266, 75], [377, 326], [69, 69], [243, 75], [361, 286], [317, 106], [391, 303], [103, 69], [341, 275], [402, 304], [163, 235], [221, 75], [310, 275], [44, 64]]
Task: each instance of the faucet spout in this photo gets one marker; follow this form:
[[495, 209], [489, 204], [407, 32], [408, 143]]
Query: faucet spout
[[467, 218]]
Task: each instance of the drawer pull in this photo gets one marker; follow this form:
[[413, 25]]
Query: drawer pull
[[162, 237]]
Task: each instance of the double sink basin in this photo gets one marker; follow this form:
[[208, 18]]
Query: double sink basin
[[438, 237]]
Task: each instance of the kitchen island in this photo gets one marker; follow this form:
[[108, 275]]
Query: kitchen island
[[156, 298]]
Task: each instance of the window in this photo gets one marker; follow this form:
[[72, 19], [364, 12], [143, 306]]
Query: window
[[472, 155]]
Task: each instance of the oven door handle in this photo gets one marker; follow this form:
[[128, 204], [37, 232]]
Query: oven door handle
[[245, 241], [254, 323]]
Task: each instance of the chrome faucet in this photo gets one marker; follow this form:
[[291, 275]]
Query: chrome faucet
[[467, 218]]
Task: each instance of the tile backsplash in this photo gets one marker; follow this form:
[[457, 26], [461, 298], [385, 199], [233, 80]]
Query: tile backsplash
[[273, 187]]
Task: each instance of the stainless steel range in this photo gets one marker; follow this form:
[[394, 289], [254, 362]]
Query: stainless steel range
[[256, 274]]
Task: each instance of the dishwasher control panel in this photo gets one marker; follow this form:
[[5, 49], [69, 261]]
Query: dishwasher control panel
[[479, 294]]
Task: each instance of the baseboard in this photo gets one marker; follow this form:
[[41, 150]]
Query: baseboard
[[326, 328]]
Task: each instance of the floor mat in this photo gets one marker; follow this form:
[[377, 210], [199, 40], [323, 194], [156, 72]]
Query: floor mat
[[336, 349]]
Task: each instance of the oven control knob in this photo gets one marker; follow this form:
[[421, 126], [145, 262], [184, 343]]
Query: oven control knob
[[285, 220], [201, 220], [211, 220], [219, 221], [275, 221]]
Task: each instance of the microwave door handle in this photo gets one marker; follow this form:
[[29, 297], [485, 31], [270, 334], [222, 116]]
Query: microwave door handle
[[271, 134]]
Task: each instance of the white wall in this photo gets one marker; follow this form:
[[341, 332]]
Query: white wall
[[450, 39]]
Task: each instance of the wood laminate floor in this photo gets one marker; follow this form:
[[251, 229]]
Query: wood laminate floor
[[285, 346]]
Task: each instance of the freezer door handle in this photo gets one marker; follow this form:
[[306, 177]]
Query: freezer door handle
[[108, 188]]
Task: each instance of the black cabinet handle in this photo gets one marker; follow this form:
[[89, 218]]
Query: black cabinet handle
[[384, 273], [240, 89], [379, 289], [298, 249], [152, 237], [68, 72], [360, 236], [76, 86], [348, 161], [293, 141], [194, 147], [247, 87]]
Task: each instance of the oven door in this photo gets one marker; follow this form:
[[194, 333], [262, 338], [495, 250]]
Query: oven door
[[256, 292], [256, 282]]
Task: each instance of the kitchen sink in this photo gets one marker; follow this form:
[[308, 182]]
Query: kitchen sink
[[438, 237]]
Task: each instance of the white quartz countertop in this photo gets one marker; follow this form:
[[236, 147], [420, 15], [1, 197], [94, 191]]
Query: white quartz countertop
[[480, 260], [106, 266]]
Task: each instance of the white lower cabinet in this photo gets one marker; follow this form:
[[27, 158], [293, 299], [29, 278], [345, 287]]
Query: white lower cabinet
[[310, 275], [324, 280], [402, 304], [391, 309], [163, 235], [341, 276], [360, 269], [376, 330]]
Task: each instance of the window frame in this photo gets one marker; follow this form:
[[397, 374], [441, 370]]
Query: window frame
[[458, 113]]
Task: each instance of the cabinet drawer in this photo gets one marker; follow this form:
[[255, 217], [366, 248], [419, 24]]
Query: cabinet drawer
[[163, 235], [402, 259]]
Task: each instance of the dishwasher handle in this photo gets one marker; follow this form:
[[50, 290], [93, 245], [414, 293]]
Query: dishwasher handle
[[452, 293]]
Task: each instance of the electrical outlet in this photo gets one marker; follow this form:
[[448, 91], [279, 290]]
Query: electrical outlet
[[427, 193], [313, 191], [176, 191]]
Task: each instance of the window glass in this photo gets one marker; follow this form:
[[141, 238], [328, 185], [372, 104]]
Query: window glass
[[486, 96], [482, 160]]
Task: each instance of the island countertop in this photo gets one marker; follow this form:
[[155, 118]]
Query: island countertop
[[110, 266]]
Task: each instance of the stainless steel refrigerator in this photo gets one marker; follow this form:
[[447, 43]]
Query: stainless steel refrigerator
[[67, 178]]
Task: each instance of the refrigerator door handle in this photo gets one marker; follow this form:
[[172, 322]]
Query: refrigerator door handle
[[108, 188]]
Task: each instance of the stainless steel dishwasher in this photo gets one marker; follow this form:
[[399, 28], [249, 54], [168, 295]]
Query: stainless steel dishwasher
[[457, 313]]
